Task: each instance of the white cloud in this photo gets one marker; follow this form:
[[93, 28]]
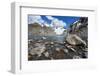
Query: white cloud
[[35, 19], [59, 31], [50, 17], [57, 24]]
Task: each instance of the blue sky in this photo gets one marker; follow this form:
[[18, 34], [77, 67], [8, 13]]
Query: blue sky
[[67, 19], [53, 20]]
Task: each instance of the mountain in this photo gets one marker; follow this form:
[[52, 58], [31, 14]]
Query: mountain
[[80, 28], [78, 33], [37, 29]]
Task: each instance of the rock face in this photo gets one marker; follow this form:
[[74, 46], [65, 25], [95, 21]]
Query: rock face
[[78, 32], [80, 28], [77, 38]]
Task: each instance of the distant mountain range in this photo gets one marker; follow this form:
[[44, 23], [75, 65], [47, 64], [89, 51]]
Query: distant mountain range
[[37, 29]]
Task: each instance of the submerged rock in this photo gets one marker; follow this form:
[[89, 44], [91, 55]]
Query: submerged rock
[[43, 38]]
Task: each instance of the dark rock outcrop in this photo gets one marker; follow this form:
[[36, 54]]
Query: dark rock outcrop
[[80, 28]]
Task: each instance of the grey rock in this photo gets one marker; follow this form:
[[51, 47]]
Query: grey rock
[[76, 57], [46, 54], [66, 50], [38, 50], [74, 39], [57, 49]]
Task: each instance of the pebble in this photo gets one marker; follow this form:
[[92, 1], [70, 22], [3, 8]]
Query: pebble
[[76, 57], [57, 49], [46, 54], [64, 42], [46, 43], [52, 43], [52, 46], [66, 50]]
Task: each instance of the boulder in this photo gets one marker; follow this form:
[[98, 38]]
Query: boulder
[[46, 54], [66, 50], [76, 57], [73, 39], [38, 49]]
